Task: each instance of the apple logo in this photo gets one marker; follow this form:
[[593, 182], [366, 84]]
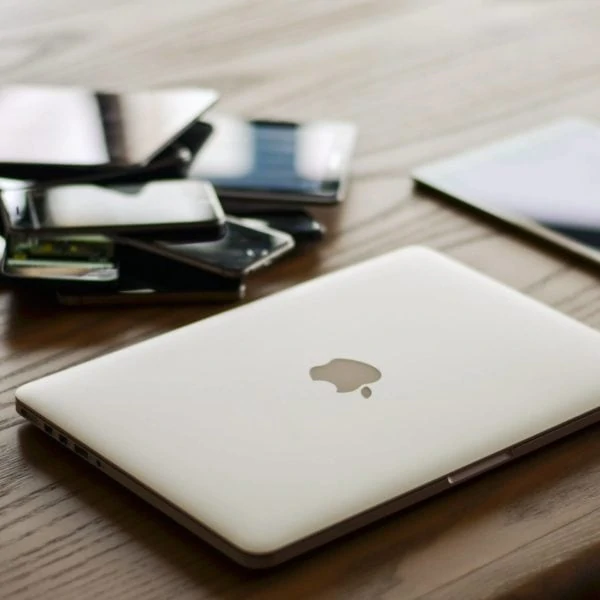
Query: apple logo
[[347, 375]]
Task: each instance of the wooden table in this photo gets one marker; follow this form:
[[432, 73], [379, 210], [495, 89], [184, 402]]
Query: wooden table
[[422, 79]]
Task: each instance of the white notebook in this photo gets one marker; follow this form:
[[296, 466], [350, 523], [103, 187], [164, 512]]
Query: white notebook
[[280, 425]]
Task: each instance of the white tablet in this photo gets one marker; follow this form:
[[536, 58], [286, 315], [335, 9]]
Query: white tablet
[[278, 426], [545, 181]]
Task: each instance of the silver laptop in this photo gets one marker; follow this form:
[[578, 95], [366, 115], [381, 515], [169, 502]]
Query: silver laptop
[[273, 428]]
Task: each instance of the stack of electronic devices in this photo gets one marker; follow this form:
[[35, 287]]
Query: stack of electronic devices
[[141, 197]]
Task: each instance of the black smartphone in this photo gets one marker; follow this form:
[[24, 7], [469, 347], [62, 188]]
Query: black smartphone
[[171, 163], [88, 261], [51, 132], [298, 223], [243, 249], [148, 278], [162, 208], [275, 161], [133, 290]]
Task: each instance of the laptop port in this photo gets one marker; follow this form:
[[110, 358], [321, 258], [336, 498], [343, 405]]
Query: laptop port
[[63, 440], [48, 429], [80, 451]]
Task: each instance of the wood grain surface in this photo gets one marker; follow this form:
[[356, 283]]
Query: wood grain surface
[[422, 79]]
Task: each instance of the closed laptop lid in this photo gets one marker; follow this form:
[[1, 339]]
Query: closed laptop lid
[[235, 420]]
